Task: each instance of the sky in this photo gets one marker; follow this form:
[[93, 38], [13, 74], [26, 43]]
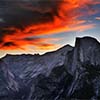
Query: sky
[[39, 26]]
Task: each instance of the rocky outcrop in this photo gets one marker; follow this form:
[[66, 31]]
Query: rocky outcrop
[[65, 74], [83, 63]]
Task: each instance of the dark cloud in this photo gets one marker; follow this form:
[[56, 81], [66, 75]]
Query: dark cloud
[[22, 21], [20, 13], [8, 44], [31, 38], [4, 32]]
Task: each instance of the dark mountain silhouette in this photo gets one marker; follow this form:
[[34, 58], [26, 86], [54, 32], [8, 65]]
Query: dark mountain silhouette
[[70, 73]]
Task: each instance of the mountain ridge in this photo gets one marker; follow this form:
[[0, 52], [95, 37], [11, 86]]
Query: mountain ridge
[[86, 37], [63, 74], [37, 54]]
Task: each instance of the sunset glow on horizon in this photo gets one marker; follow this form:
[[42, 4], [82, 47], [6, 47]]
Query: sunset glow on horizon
[[39, 26]]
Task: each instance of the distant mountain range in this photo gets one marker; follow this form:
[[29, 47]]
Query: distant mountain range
[[70, 73]]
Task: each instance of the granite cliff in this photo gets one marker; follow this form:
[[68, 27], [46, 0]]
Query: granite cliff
[[70, 73]]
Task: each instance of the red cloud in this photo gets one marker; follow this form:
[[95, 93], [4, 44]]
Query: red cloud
[[65, 19]]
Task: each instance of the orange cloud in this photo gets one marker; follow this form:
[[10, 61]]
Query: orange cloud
[[79, 28], [65, 19], [21, 44], [44, 47]]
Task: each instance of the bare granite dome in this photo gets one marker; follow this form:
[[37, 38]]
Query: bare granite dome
[[68, 73]]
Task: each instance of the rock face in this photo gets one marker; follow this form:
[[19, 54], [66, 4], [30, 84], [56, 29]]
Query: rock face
[[66, 74]]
